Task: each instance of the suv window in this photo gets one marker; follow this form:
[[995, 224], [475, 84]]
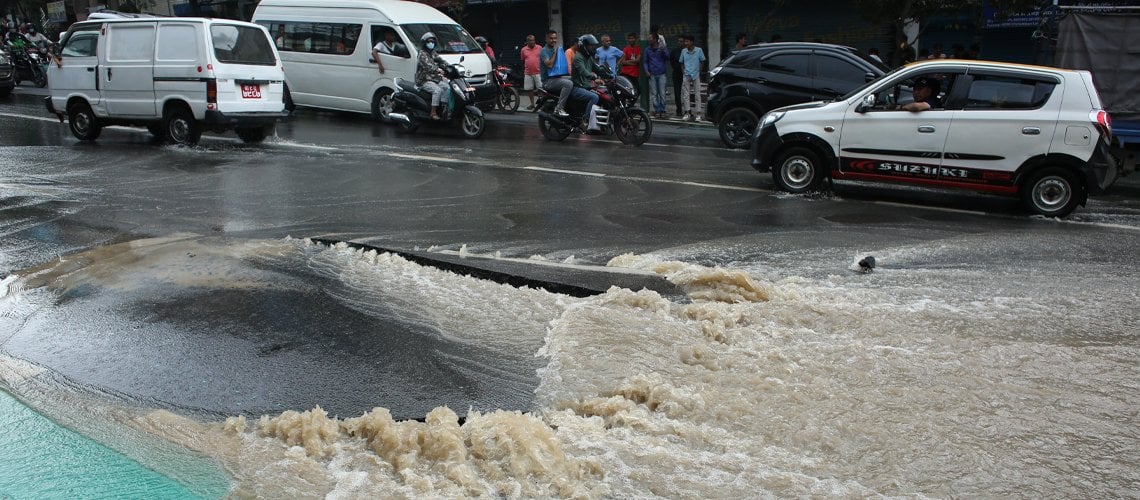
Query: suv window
[[789, 64], [1007, 92], [833, 68], [745, 60]]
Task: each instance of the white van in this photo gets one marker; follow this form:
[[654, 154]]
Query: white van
[[327, 50], [176, 76]]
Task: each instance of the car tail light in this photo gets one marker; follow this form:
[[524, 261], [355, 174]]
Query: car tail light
[[211, 91], [1102, 121]]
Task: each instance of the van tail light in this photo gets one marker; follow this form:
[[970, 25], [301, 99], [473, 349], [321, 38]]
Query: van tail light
[[1102, 121], [211, 91]]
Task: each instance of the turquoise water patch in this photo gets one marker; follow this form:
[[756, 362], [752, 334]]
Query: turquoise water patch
[[40, 459]]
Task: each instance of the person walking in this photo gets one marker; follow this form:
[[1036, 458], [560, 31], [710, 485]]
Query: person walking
[[531, 55], [675, 63], [692, 63], [656, 58]]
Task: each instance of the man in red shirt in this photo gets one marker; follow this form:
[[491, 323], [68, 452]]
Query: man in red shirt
[[630, 63], [532, 79]]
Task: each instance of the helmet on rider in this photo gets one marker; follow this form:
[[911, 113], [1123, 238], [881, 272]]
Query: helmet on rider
[[482, 41], [588, 43], [427, 41]]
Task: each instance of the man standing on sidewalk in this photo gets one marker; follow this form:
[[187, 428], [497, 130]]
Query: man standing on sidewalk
[[607, 55], [656, 60], [630, 64], [531, 55], [675, 62], [692, 62]]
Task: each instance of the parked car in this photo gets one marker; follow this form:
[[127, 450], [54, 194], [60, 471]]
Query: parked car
[[1035, 132], [760, 78], [177, 76], [7, 74]]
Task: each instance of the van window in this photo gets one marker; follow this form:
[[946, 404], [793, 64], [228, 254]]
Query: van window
[[323, 38], [241, 45], [450, 38], [398, 48], [130, 42], [177, 42], [1003, 92], [81, 44]]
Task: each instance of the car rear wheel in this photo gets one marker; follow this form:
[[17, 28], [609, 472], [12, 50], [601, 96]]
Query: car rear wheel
[[799, 170], [251, 135], [737, 126], [1052, 192], [181, 127]]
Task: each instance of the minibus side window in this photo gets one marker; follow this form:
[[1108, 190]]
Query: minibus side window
[[399, 49], [319, 38]]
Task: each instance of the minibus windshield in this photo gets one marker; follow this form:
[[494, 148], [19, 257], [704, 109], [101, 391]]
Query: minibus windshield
[[450, 38]]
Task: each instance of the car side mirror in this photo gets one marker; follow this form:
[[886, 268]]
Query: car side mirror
[[461, 58], [870, 77], [401, 50], [868, 103]]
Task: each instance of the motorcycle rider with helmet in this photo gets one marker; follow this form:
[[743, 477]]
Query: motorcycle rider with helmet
[[14, 38], [585, 72], [429, 72], [37, 39]]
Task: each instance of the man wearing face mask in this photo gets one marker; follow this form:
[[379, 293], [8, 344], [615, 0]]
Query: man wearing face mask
[[429, 72]]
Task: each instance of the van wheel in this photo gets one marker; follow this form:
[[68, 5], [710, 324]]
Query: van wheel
[[288, 99], [1052, 192], [82, 121], [798, 170], [251, 135], [736, 127], [181, 126], [382, 105]]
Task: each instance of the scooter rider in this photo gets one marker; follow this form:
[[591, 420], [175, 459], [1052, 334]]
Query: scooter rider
[[429, 72]]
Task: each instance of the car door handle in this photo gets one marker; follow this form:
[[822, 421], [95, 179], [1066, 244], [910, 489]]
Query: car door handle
[[108, 74], [926, 129], [92, 70], [1031, 131]]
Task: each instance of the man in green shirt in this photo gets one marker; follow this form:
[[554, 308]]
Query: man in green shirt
[[585, 71]]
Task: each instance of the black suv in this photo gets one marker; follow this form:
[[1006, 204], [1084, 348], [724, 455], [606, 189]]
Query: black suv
[[764, 77]]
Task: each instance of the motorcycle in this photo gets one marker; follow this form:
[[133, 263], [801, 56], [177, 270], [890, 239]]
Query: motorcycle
[[507, 99], [617, 114], [411, 107], [28, 65]]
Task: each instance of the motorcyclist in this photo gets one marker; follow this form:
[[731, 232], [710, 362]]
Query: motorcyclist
[[585, 72], [37, 39], [14, 38], [429, 72]]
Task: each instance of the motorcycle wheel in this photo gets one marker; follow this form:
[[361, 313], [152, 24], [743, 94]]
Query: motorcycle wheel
[[552, 130], [473, 125], [410, 127], [39, 76], [508, 100], [634, 127]]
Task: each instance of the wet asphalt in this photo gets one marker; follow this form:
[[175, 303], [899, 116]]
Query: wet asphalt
[[431, 195]]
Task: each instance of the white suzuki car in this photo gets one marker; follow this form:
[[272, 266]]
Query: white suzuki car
[[1035, 132]]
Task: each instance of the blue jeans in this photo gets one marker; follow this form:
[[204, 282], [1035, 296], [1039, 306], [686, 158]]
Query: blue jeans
[[657, 92], [582, 94]]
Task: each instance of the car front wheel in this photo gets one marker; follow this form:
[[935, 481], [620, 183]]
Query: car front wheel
[[736, 127], [1052, 192], [799, 170]]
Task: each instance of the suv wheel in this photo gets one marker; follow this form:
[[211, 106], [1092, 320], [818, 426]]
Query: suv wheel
[[798, 170], [737, 126], [1052, 192]]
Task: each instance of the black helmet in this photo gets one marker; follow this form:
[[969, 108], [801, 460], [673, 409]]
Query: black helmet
[[482, 41], [587, 43], [429, 36]]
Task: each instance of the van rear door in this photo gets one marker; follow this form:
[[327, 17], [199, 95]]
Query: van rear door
[[127, 75], [249, 77]]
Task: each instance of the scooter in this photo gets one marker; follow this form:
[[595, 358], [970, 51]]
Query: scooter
[[411, 107], [28, 65], [617, 114]]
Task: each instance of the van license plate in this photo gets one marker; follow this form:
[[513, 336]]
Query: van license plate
[[251, 91]]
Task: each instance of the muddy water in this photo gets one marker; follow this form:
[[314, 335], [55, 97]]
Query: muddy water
[[919, 380]]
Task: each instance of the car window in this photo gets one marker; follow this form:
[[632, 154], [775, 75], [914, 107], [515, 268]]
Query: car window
[[833, 68], [399, 49], [450, 38], [81, 44], [324, 38], [1007, 92], [788, 64], [744, 60], [241, 45], [892, 97]]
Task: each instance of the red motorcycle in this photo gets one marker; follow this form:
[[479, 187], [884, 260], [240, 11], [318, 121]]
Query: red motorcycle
[[507, 99], [617, 114]]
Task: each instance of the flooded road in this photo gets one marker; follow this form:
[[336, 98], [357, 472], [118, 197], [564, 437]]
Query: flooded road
[[158, 296]]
